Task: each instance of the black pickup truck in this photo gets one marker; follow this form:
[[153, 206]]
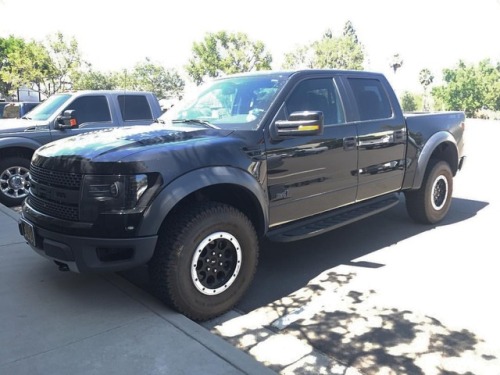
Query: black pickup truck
[[283, 155], [88, 110]]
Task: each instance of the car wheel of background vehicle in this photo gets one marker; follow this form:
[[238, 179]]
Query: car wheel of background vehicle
[[205, 260], [14, 180], [431, 202]]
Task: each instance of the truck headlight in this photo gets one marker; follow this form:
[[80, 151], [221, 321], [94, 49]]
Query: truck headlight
[[111, 194]]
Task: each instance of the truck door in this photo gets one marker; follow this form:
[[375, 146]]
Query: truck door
[[381, 137], [308, 175]]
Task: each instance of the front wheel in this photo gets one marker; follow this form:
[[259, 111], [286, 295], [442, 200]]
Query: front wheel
[[204, 260], [14, 180], [431, 202]]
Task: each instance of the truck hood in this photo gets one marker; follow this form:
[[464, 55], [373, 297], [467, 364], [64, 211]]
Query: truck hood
[[17, 125], [123, 142]]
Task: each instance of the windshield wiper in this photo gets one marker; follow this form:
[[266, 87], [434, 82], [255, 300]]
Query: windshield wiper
[[26, 118], [159, 121], [196, 121]]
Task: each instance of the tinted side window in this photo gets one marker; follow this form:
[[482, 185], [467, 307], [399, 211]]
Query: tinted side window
[[91, 109], [371, 99], [318, 94], [134, 107]]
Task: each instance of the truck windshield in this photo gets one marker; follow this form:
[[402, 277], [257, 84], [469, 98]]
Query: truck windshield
[[237, 102], [45, 110]]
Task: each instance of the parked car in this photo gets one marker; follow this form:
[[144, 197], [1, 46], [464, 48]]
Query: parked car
[[16, 109]]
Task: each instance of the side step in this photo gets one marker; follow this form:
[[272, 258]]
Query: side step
[[332, 220]]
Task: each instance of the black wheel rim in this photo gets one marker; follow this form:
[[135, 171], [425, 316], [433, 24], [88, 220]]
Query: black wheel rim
[[439, 192], [216, 263]]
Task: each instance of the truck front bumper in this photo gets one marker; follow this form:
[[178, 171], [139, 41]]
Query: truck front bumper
[[86, 254]]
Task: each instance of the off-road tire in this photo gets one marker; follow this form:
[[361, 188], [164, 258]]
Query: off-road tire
[[14, 180], [430, 204], [180, 271]]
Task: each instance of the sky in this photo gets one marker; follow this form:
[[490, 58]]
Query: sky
[[115, 35]]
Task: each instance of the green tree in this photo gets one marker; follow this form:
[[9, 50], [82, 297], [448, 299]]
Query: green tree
[[470, 88], [155, 78], [425, 77], [330, 52], [6, 47], [91, 79], [25, 64], [490, 83], [301, 57], [226, 53], [349, 31], [408, 102], [147, 76], [66, 63]]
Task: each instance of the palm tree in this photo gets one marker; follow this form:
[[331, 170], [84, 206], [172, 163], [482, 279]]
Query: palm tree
[[425, 78]]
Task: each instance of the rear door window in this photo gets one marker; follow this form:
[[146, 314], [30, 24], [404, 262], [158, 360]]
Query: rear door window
[[134, 107], [371, 99]]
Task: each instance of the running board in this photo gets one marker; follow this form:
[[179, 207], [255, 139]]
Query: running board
[[332, 220]]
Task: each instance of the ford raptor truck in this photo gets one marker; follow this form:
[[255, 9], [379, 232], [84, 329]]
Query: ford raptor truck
[[282, 155], [63, 115]]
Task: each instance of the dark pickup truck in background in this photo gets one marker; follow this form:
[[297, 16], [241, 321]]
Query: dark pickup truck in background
[[88, 111], [286, 155]]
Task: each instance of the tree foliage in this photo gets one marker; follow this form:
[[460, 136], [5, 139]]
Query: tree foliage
[[147, 76], [408, 102], [22, 64], [226, 53], [329, 52], [350, 31], [47, 68], [56, 65], [155, 78], [470, 87], [91, 79], [66, 62]]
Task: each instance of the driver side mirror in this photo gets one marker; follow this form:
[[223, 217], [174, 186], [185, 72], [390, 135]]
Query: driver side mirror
[[303, 123], [67, 120]]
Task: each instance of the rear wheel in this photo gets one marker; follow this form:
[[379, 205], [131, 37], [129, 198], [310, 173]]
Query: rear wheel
[[14, 180], [205, 260], [431, 202]]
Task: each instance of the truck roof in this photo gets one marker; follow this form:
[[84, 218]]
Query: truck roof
[[107, 92]]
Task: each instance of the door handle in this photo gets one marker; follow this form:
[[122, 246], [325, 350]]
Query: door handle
[[399, 135], [350, 143]]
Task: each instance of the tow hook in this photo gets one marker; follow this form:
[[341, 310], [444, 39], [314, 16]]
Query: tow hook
[[62, 266]]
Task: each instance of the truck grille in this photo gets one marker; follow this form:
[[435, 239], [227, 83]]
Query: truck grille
[[45, 181], [53, 178], [53, 209]]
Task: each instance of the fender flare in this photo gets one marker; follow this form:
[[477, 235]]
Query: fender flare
[[188, 183], [18, 142], [425, 154]]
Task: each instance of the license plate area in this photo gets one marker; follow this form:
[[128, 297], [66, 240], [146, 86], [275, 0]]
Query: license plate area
[[28, 232]]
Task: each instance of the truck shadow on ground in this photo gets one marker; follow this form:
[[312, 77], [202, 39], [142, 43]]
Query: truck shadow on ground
[[350, 326], [286, 267], [298, 291]]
